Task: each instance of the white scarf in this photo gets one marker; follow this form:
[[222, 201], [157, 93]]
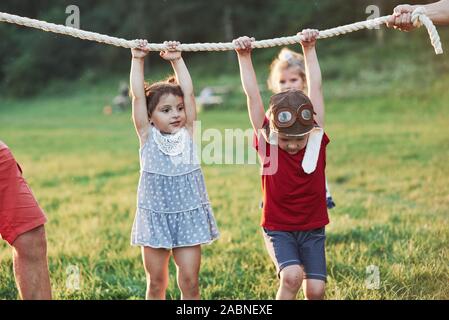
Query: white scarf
[[311, 155]]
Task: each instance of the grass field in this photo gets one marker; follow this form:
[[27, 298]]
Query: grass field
[[387, 167]]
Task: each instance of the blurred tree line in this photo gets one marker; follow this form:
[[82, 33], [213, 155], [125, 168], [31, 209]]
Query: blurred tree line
[[29, 58]]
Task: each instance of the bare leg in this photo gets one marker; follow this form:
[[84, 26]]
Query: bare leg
[[291, 279], [30, 265], [188, 260], [155, 262], [314, 289]]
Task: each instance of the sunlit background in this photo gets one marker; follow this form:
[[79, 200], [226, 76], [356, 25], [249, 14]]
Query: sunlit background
[[65, 115]]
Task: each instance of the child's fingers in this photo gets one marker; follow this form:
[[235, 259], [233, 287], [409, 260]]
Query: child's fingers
[[171, 45], [243, 40], [306, 31], [308, 35], [168, 45], [247, 44], [313, 34], [243, 43], [238, 43], [144, 46], [142, 43], [305, 35]]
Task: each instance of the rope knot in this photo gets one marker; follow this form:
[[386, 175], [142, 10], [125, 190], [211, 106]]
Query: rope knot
[[417, 14]]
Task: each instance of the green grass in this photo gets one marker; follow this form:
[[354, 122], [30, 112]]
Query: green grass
[[387, 167]]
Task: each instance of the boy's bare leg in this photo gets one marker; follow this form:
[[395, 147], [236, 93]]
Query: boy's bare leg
[[291, 280], [314, 289]]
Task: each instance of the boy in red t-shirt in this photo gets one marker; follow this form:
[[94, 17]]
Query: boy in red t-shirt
[[291, 144]]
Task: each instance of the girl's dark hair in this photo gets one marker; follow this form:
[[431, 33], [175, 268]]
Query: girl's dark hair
[[155, 91]]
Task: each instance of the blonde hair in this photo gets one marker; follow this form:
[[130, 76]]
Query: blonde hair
[[286, 59]]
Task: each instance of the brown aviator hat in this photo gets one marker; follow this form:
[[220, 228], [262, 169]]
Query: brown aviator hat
[[291, 114]]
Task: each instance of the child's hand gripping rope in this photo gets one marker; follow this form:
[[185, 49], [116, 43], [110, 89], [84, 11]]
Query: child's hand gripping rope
[[141, 51], [172, 53], [308, 38]]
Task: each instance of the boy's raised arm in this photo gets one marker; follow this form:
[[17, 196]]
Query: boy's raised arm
[[139, 106], [249, 82], [313, 74]]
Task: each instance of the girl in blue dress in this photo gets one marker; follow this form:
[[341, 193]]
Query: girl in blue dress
[[174, 215]]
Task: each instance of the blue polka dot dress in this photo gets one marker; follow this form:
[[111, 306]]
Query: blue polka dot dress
[[173, 208]]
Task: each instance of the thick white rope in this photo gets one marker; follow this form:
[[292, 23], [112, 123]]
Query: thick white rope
[[418, 17]]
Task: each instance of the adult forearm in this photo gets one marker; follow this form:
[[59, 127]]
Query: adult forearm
[[438, 12]]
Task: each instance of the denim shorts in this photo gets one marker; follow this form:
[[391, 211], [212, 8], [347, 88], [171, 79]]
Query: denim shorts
[[303, 248]]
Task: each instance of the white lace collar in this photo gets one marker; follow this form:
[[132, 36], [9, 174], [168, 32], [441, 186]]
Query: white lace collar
[[170, 144]]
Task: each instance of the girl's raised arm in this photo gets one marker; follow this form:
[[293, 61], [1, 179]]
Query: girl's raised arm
[[249, 82], [139, 105], [183, 79]]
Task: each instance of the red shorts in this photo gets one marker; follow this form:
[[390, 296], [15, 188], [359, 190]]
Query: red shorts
[[19, 210]]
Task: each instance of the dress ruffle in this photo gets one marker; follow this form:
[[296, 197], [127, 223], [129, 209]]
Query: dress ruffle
[[171, 230]]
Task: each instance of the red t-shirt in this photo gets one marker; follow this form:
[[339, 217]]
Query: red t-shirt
[[292, 199]]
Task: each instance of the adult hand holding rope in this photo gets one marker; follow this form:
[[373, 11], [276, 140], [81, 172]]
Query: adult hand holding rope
[[403, 19]]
